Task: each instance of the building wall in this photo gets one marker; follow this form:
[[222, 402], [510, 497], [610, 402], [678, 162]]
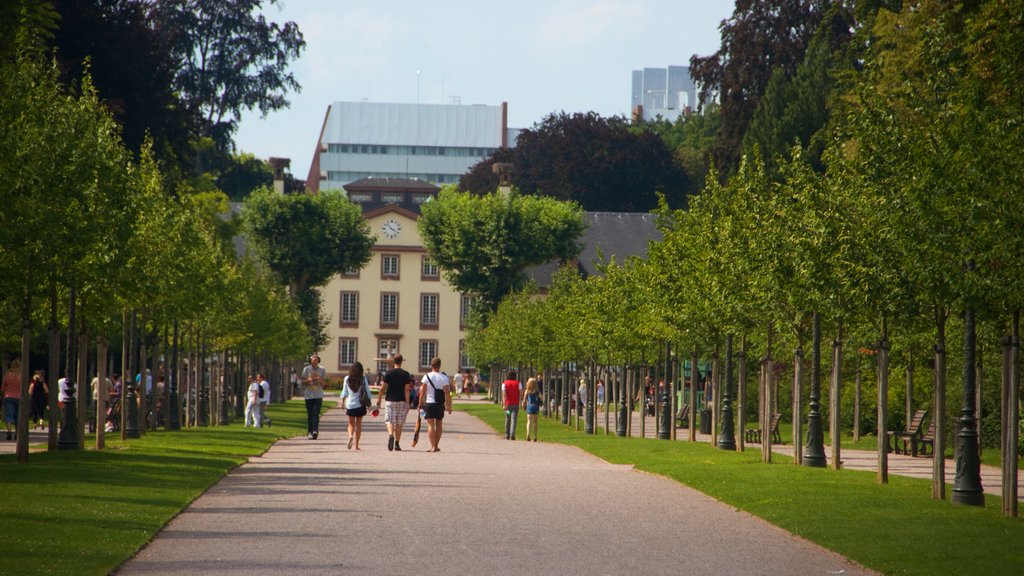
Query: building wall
[[666, 92], [409, 286], [436, 143]]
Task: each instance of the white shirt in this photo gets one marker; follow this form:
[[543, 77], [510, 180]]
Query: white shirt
[[254, 392], [459, 381], [62, 390], [266, 392], [440, 383]]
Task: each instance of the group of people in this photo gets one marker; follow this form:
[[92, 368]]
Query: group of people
[[257, 397], [398, 392], [516, 396]]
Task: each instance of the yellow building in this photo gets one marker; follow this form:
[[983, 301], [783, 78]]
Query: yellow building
[[399, 301]]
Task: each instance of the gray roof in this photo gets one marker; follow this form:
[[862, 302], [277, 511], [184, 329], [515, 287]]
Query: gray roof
[[608, 234]]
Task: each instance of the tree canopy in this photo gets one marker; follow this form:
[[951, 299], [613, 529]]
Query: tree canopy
[[484, 244], [602, 164]]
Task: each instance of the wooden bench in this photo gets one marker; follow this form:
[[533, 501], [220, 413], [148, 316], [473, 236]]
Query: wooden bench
[[926, 442], [908, 437], [683, 416], [754, 435]]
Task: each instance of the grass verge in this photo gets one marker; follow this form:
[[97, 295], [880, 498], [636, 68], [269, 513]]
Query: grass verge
[[86, 512], [895, 529]]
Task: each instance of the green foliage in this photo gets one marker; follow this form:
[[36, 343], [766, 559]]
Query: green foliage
[[603, 164], [231, 59], [307, 240], [485, 243]]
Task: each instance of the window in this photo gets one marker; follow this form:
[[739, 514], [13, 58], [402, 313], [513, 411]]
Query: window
[[392, 197], [389, 266], [349, 308], [360, 197], [389, 309], [428, 350], [386, 348], [347, 352], [465, 309], [351, 273], [428, 310], [420, 198], [464, 362], [428, 270]]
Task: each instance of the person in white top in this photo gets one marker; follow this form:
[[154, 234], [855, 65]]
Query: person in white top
[[252, 405], [436, 398], [358, 398], [264, 398], [460, 382]]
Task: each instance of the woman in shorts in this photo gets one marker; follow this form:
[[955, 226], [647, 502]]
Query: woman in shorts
[[358, 397]]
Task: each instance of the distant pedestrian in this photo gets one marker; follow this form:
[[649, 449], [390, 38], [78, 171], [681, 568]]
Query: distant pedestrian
[[39, 394], [600, 395], [435, 397], [358, 398], [252, 404], [460, 381], [581, 397], [511, 403], [12, 398], [531, 405], [313, 377], [264, 399], [395, 391]]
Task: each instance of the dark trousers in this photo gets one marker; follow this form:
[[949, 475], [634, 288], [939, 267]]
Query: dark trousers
[[313, 414]]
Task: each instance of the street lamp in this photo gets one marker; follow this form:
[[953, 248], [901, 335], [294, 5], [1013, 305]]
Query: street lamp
[[814, 456], [967, 485], [727, 437]]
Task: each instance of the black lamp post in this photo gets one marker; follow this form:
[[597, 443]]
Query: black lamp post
[[68, 439], [967, 485], [131, 405], [814, 455], [727, 437]]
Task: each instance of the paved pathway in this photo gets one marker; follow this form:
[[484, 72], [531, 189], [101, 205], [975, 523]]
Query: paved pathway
[[482, 505]]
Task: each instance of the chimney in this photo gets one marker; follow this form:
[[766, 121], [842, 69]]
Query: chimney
[[279, 165]]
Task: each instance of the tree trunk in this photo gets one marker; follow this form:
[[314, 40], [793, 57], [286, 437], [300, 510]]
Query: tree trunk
[[798, 374], [883, 410], [836, 396], [939, 408]]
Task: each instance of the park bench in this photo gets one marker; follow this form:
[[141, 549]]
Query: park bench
[[683, 416], [908, 437], [754, 434], [926, 442]]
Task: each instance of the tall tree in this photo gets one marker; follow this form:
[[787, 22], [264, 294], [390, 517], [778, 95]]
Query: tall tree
[[601, 163], [133, 69], [485, 243], [762, 36], [307, 240], [232, 59]]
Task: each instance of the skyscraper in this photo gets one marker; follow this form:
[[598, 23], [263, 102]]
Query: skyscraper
[[665, 92]]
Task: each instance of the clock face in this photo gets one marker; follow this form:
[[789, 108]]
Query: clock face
[[391, 228]]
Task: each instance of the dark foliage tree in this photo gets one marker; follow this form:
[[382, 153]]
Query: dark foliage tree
[[132, 68], [601, 163], [231, 60], [243, 173], [762, 36], [690, 138]]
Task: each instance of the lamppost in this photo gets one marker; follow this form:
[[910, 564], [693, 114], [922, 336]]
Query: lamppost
[[727, 438], [623, 390], [967, 485], [665, 428], [131, 405], [68, 439], [814, 456]]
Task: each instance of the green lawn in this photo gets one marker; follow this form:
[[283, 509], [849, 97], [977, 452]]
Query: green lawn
[[895, 528], [86, 512]]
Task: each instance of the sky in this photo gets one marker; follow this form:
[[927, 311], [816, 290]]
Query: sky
[[540, 56]]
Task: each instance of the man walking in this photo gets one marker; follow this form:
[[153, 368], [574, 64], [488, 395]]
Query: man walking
[[395, 391], [313, 377], [264, 399]]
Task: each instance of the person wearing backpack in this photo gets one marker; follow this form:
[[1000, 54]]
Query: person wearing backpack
[[435, 397], [357, 396], [252, 406], [264, 398]]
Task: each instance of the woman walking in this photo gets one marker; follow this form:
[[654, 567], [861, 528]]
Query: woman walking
[[356, 391], [12, 398], [531, 405], [39, 394]]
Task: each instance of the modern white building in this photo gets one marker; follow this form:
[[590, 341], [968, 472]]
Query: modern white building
[[435, 143], [665, 92]]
